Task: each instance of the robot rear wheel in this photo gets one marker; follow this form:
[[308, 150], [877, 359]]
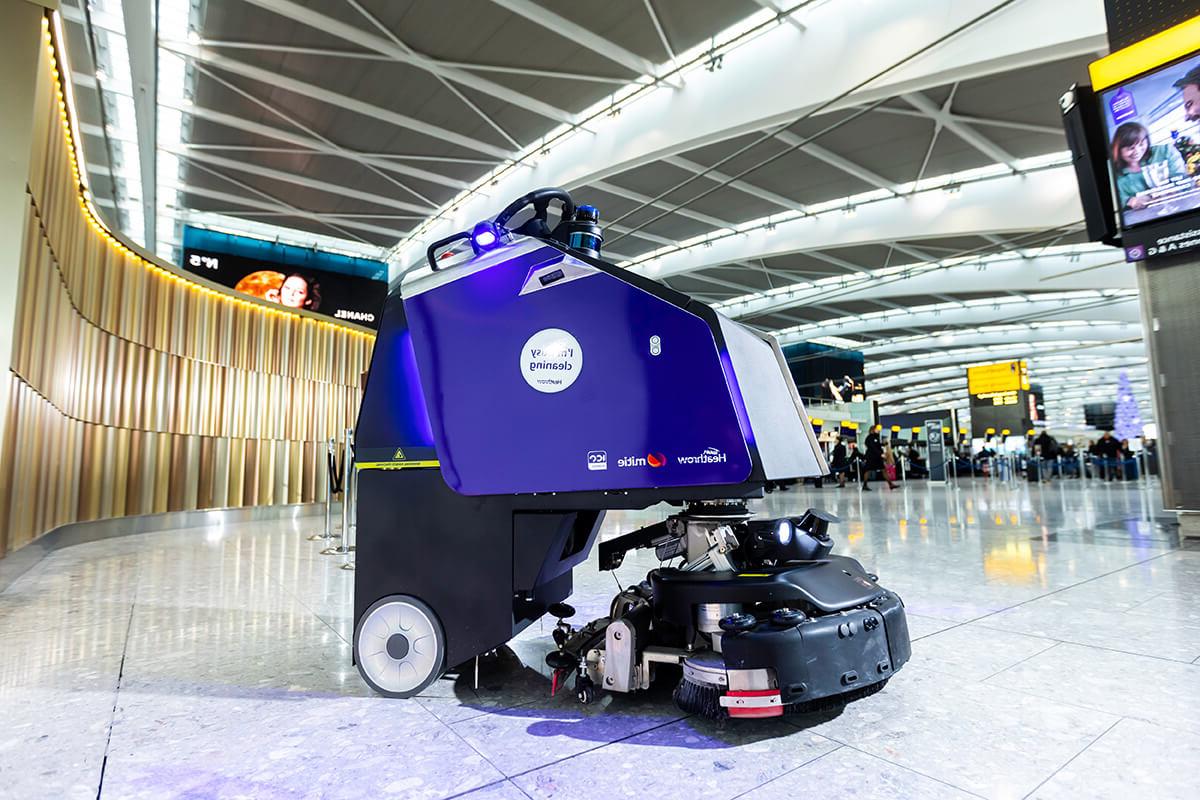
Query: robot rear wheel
[[399, 646]]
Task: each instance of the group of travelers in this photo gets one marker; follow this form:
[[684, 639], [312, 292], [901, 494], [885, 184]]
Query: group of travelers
[[1046, 457], [875, 458], [1110, 456], [1110, 459]]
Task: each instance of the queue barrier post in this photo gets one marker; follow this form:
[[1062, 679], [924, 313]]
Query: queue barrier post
[[331, 486], [350, 531], [346, 479]]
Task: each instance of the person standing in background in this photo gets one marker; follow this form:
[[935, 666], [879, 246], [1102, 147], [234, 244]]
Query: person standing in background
[[874, 458], [839, 462]]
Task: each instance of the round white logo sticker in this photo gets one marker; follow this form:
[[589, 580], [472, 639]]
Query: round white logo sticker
[[551, 360]]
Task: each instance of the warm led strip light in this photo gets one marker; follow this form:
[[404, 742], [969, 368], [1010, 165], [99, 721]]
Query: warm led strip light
[[66, 109]]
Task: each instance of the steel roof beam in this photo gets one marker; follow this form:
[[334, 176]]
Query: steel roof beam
[[970, 120], [736, 100], [555, 23], [740, 185], [1039, 200], [948, 320], [286, 210], [1043, 365], [316, 145], [914, 252], [1039, 274], [296, 179], [355, 154], [638, 197], [1047, 379], [377, 56], [1129, 348], [782, 14], [834, 160], [365, 39], [855, 269], [942, 115], [737, 287], [278, 81], [1103, 330]]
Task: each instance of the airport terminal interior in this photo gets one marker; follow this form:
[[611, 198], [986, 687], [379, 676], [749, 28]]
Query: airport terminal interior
[[520, 399]]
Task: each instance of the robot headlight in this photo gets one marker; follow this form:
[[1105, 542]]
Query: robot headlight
[[784, 530], [485, 236], [788, 539]]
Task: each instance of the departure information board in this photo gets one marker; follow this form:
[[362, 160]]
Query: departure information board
[[1004, 376], [999, 396]]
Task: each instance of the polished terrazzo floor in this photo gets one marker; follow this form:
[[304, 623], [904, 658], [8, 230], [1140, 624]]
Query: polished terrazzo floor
[[1056, 655]]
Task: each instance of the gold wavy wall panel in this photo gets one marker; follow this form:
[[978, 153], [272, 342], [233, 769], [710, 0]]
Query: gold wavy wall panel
[[136, 390]]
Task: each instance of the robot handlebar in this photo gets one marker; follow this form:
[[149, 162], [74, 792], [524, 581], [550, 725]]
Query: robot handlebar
[[495, 231], [540, 200]]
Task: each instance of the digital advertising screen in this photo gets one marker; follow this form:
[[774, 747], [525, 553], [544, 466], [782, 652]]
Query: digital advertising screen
[[826, 373], [1100, 415], [1153, 142], [1037, 404], [345, 288]]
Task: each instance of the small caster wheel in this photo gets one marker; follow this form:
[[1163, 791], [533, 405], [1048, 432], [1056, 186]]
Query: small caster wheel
[[787, 617], [736, 623], [585, 691]]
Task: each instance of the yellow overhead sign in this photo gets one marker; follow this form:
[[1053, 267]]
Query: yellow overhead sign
[[1145, 55], [1005, 376]]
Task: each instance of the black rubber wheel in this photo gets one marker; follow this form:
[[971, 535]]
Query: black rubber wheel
[[585, 690], [399, 646], [736, 623]]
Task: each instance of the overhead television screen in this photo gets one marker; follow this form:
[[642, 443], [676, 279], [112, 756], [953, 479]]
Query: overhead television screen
[[1153, 127], [343, 287], [822, 372]]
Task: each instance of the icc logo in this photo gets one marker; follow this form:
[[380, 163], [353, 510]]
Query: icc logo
[[597, 459]]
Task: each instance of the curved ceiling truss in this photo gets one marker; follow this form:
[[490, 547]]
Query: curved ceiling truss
[[915, 203]]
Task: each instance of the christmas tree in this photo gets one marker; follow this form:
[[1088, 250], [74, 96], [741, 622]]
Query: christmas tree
[[1127, 423]]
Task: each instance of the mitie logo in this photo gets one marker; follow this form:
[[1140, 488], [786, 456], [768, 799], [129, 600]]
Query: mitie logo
[[711, 455], [655, 460]]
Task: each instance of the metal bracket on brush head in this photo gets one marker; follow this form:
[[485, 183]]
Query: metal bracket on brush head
[[721, 544]]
